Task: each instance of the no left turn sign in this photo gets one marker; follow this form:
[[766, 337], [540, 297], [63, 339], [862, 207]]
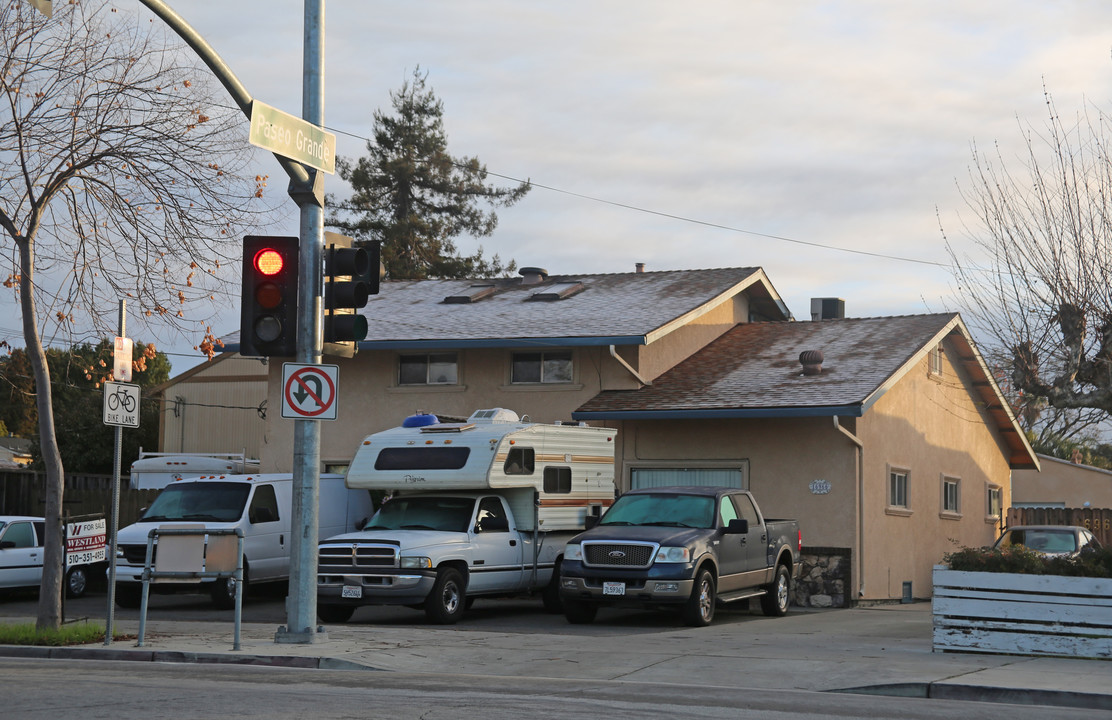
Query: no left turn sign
[[309, 391]]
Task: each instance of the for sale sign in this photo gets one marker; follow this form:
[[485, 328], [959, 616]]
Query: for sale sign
[[86, 542]]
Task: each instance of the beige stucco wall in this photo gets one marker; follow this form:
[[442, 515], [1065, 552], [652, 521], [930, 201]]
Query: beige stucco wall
[[218, 410], [370, 399], [671, 349], [928, 426], [1062, 482], [784, 457]]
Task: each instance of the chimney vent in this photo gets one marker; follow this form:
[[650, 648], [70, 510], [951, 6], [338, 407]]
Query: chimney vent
[[828, 309], [640, 267], [811, 360], [532, 275]]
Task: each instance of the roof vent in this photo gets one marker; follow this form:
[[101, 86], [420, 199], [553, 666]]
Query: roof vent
[[828, 308], [640, 267], [558, 291], [532, 275], [811, 360], [494, 415], [473, 294]]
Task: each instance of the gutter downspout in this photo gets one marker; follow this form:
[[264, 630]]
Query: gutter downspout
[[627, 366], [860, 503]]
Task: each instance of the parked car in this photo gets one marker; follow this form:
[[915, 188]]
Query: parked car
[[21, 555], [1051, 540]]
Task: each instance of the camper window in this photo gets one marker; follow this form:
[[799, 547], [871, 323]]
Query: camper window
[[557, 480], [422, 458], [519, 461]]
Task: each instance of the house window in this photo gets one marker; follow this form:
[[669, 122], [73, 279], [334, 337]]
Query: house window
[[897, 489], [935, 367], [541, 367], [557, 480], [440, 369], [994, 502], [951, 495]]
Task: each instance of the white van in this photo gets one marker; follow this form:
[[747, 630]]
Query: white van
[[260, 505]]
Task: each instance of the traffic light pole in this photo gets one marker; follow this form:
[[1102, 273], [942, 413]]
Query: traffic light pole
[[307, 190], [301, 603]]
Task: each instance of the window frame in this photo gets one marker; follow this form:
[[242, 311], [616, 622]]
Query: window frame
[[561, 480], [543, 357], [428, 362], [891, 506], [949, 501], [990, 491], [934, 361]]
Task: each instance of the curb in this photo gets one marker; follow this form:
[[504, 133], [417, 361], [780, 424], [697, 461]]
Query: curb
[[986, 693]]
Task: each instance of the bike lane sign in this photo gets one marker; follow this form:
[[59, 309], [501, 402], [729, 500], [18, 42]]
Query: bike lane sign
[[309, 391], [121, 404]]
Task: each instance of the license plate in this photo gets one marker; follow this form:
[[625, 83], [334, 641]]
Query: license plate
[[351, 591], [613, 588]]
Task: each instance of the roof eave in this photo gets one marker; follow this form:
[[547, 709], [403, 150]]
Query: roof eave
[[721, 413]]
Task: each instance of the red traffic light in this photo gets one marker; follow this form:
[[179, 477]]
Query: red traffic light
[[269, 261]]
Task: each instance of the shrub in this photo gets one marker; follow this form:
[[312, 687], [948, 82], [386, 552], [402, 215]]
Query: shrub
[[1089, 562]]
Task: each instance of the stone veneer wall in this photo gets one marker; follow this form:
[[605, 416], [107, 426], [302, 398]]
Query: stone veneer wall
[[824, 580]]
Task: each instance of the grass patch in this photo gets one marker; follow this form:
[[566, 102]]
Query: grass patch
[[75, 634]]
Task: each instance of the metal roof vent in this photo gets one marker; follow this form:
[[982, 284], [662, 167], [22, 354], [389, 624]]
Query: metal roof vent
[[811, 360], [532, 275]]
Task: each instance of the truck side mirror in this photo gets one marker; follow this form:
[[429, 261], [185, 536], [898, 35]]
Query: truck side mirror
[[738, 526]]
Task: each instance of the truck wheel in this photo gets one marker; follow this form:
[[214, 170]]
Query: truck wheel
[[698, 611], [77, 581], [335, 613], [129, 595], [446, 602], [224, 591], [774, 602], [550, 596], [580, 613]]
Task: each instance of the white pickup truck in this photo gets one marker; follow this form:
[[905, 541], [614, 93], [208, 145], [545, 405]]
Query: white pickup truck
[[479, 509]]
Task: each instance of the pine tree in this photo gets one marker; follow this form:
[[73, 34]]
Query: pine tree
[[412, 195]]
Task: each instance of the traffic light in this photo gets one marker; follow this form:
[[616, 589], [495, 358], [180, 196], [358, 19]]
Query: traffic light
[[351, 275], [268, 317]]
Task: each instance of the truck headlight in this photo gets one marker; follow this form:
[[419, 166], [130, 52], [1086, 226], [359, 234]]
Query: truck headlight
[[673, 555], [416, 562], [573, 552]]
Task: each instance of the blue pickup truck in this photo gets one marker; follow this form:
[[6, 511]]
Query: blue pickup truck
[[682, 547]]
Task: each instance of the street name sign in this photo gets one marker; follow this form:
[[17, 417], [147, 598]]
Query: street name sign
[[292, 137], [309, 391]]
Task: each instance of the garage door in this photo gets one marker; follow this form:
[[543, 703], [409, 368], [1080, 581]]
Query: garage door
[[661, 477]]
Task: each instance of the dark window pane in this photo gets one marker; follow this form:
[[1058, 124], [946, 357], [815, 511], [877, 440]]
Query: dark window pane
[[557, 480], [412, 370], [422, 458], [519, 461], [526, 368]]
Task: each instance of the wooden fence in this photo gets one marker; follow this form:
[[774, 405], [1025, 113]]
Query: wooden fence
[[21, 493], [1010, 614], [1098, 520]]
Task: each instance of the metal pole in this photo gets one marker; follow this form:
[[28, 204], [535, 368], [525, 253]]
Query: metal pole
[[301, 603], [108, 630]]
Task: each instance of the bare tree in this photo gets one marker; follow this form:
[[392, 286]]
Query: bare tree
[[123, 173], [1040, 289]]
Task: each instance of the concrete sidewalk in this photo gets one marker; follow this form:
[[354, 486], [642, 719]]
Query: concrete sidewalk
[[881, 649]]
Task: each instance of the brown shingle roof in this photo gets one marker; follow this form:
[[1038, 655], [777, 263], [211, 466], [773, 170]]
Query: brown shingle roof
[[756, 367]]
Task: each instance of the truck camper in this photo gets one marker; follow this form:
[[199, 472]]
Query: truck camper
[[481, 508]]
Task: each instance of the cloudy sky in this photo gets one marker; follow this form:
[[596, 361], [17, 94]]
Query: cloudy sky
[[821, 141]]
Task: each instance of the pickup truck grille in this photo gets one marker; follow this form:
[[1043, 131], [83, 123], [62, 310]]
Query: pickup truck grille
[[618, 555], [357, 557]]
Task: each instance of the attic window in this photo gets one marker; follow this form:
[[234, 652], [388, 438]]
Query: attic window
[[558, 291], [473, 294]]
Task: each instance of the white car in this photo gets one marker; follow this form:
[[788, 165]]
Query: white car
[[21, 555]]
